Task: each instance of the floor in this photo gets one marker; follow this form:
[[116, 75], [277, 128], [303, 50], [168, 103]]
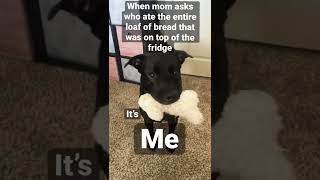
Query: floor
[[194, 163], [44, 107], [41, 108]]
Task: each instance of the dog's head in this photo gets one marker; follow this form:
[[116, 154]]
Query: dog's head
[[160, 74]]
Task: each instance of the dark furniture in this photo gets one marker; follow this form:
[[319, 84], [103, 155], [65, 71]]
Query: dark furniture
[[220, 78], [221, 88]]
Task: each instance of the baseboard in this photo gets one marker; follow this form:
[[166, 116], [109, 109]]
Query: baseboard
[[197, 66]]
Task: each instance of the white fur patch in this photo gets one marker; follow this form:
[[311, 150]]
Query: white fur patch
[[245, 139]]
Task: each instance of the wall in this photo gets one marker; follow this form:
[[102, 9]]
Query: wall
[[292, 23]]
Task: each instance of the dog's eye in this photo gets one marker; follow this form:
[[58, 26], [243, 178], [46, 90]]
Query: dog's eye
[[152, 75], [175, 72]]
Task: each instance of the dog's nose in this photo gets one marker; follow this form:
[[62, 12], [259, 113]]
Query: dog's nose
[[172, 97]]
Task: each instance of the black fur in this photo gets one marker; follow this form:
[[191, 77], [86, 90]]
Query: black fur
[[160, 77]]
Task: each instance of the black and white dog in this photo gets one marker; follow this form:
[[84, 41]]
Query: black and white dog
[[160, 72], [160, 77]]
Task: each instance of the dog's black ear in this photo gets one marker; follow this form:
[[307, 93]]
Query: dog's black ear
[[182, 55], [136, 61]]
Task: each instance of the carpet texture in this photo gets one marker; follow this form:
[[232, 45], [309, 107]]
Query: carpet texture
[[194, 163], [44, 107], [41, 108]]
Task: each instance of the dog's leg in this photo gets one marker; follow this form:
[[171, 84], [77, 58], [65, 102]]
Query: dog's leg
[[172, 123], [149, 125]]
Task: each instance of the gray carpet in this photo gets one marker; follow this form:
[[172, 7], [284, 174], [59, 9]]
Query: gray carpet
[[194, 163], [41, 108]]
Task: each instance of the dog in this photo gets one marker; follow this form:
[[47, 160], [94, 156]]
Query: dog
[[160, 77]]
